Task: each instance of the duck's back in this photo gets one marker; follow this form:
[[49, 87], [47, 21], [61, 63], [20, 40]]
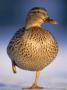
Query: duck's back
[[32, 49]]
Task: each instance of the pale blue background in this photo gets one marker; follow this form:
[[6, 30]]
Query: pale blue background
[[12, 17]]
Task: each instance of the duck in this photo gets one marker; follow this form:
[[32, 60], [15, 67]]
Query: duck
[[32, 47]]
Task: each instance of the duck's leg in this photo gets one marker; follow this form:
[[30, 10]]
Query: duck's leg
[[13, 67], [35, 84]]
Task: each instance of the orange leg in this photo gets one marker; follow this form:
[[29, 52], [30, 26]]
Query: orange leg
[[13, 67], [35, 84]]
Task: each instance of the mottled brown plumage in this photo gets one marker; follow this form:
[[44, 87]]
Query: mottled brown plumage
[[32, 47]]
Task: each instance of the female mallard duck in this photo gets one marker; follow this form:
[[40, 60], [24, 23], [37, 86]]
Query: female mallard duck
[[32, 47]]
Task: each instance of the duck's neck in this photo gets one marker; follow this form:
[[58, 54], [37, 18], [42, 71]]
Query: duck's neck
[[33, 22], [32, 25]]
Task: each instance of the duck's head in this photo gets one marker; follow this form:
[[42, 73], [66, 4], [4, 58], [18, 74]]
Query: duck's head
[[37, 16]]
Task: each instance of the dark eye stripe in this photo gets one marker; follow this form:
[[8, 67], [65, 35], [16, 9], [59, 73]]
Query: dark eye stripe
[[37, 11]]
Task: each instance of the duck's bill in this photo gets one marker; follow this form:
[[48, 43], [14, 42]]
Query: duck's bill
[[51, 21]]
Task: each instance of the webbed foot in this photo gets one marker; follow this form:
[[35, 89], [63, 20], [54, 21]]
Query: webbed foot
[[34, 86], [13, 67]]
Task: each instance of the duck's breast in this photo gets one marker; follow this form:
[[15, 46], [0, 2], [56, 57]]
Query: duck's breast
[[34, 49]]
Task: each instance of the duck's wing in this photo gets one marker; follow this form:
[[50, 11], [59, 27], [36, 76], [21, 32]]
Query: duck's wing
[[18, 34]]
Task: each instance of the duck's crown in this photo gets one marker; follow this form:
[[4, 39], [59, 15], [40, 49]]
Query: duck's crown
[[38, 10]]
